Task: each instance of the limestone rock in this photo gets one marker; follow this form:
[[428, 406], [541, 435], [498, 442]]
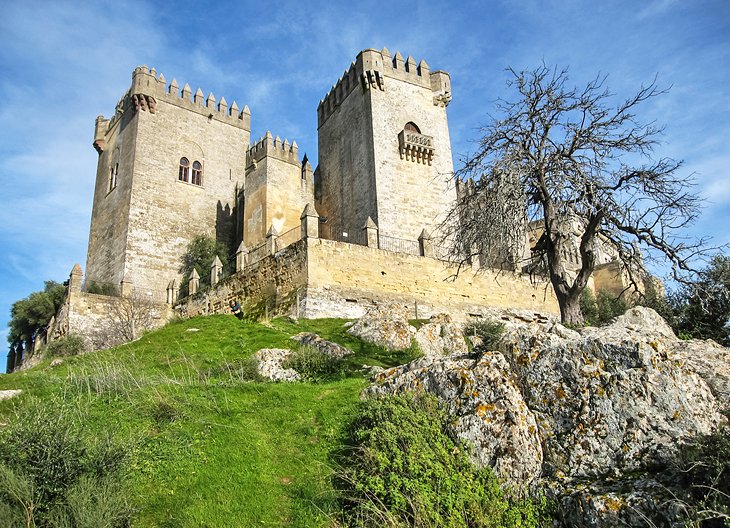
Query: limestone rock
[[586, 415], [609, 400], [325, 347], [271, 362], [441, 336], [10, 393], [709, 360], [488, 409], [636, 501], [385, 326]]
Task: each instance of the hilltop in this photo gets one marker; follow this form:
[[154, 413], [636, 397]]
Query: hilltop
[[597, 420]]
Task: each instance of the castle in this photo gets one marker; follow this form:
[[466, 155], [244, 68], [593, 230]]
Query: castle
[[173, 165], [356, 231]]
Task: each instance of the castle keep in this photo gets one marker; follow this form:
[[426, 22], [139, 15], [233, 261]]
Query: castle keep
[[173, 165]]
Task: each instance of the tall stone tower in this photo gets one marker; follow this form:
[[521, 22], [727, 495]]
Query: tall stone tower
[[384, 147], [170, 163], [278, 187]]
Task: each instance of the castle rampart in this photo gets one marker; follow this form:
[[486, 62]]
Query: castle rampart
[[277, 188]]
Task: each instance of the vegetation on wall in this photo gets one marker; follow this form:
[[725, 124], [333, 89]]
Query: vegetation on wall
[[199, 255]]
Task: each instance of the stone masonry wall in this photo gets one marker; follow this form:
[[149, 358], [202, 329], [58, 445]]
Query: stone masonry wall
[[140, 229], [270, 285], [345, 279], [412, 194], [336, 279], [167, 213], [345, 190], [108, 232]]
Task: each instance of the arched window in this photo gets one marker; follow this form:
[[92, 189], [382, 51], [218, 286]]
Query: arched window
[[411, 127], [113, 171], [184, 174], [197, 178]]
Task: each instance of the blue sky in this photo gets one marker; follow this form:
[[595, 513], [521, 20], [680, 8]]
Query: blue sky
[[63, 63]]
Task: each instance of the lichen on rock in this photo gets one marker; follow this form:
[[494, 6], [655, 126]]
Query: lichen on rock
[[588, 415]]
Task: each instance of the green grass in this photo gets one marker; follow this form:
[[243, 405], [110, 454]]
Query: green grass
[[209, 449]]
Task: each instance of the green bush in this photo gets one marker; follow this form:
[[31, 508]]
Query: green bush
[[102, 288], [46, 460], [704, 469], [602, 310], [314, 365], [68, 345], [490, 332], [401, 469], [588, 307]]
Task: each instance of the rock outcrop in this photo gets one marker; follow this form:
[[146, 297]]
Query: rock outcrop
[[588, 415], [271, 364], [441, 336], [385, 326], [327, 348]]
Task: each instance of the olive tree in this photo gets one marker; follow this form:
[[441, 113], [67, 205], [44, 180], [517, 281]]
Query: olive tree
[[567, 160]]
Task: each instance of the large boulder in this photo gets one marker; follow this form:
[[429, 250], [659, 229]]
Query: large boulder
[[385, 325], [327, 348], [441, 336], [574, 412], [488, 409], [271, 364]]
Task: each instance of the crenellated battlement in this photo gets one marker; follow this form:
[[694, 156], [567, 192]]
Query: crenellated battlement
[[272, 147], [148, 88], [370, 70]]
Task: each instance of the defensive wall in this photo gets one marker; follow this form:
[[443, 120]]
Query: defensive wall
[[315, 277]]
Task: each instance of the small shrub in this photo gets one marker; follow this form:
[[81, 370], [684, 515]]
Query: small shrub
[[165, 410], [601, 310], [588, 307], [102, 288], [92, 503], [610, 307], [402, 469], [490, 332], [314, 365], [68, 345], [704, 469], [45, 455]]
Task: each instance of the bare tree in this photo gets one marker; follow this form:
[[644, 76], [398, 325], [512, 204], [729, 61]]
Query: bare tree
[[129, 317], [564, 157]]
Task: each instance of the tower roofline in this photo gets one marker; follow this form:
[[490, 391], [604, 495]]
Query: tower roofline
[[370, 70]]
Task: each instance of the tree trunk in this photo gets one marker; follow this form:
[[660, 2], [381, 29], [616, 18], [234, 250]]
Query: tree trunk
[[570, 313]]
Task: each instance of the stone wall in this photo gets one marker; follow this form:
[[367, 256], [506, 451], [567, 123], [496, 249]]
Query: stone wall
[[323, 278], [140, 228], [268, 286], [363, 170], [277, 189], [345, 279]]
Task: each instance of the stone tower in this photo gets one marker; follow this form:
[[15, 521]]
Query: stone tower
[[384, 148], [277, 188], [170, 164]]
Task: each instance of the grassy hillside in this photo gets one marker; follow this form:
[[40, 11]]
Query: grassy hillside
[[209, 446]]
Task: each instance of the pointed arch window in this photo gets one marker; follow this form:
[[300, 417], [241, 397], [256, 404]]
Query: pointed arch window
[[113, 171], [197, 178], [184, 174]]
